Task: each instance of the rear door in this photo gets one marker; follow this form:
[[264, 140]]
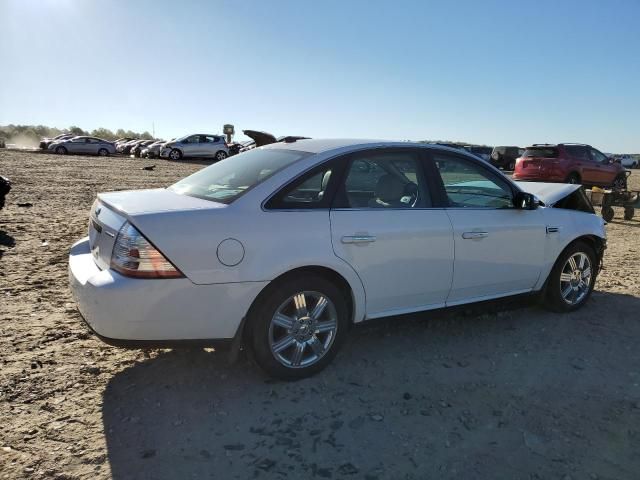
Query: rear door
[[582, 162], [384, 225], [499, 250]]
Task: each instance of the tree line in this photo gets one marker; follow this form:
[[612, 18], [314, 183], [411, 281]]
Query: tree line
[[36, 132]]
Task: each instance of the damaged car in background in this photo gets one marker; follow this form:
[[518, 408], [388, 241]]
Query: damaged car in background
[[282, 248]]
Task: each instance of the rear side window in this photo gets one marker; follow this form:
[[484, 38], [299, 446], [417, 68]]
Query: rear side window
[[384, 180], [577, 151], [542, 152]]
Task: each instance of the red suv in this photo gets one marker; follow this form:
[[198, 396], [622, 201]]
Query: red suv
[[570, 163]]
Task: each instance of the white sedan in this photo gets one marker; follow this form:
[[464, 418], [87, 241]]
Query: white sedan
[[283, 247]]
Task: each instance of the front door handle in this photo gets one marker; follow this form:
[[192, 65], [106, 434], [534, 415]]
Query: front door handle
[[358, 239], [474, 235]]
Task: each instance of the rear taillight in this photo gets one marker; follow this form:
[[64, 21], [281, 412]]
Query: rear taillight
[[134, 256]]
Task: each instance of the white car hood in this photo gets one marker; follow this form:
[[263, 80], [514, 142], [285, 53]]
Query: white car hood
[[548, 193]]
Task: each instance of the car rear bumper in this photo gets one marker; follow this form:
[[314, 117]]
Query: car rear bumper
[[537, 177], [148, 312]]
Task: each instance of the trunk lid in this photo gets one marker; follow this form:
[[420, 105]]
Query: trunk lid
[[111, 210]]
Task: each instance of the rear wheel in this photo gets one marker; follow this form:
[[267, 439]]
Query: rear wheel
[[512, 165], [620, 182], [61, 150], [573, 178], [572, 278], [175, 154], [629, 212], [296, 327], [103, 152]]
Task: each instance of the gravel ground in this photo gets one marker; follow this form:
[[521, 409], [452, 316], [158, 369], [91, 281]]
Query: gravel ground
[[502, 391]]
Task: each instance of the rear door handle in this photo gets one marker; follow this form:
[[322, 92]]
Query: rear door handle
[[473, 235], [358, 239]]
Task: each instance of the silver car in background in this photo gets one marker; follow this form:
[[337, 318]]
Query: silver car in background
[[197, 145], [84, 146], [153, 150]]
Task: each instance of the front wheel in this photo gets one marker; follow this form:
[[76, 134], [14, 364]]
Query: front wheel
[[175, 154], [221, 155], [103, 152], [512, 165], [296, 327], [61, 150], [572, 278]]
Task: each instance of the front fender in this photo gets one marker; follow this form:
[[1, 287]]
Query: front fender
[[571, 225]]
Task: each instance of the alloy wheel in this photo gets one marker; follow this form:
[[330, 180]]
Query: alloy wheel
[[303, 329], [175, 155], [575, 278]]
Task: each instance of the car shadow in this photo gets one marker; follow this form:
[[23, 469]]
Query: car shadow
[[402, 398]]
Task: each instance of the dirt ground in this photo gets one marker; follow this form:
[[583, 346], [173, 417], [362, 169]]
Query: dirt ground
[[508, 391]]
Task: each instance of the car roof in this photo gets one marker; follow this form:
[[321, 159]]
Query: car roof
[[318, 145]]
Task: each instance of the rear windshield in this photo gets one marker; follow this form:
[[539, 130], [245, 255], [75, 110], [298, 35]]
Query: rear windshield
[[229, 179], [544, 152]]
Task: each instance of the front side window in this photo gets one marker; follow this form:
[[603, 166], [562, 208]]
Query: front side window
[[192, 139], [468, 185], [597, 156], [229, 179], [79, 140], [384, 180]]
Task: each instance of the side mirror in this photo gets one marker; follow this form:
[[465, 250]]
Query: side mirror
[[526, 201]]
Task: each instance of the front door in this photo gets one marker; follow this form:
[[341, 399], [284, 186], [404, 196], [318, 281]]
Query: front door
[[606, 171], [384, 226], [499, 249]]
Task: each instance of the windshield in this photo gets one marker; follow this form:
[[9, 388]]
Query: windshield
[[228, 179]]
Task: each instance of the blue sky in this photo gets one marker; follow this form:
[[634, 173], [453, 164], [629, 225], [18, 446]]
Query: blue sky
[[494, 72]]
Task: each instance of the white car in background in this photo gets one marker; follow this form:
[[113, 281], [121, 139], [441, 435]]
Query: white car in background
[[628, 161], [198, 145], [284, 246]]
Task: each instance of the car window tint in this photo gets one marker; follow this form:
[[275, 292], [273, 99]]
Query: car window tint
[[468, 185], [385, 180], [598, 156], [309, 192], [577, 151]]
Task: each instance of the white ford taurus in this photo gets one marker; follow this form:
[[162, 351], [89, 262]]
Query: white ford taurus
[[283, 247]]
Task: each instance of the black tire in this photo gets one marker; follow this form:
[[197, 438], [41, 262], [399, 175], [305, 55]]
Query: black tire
[[61, 150], [573, 178], [103, 152], [607, 213], [620, 182], [512, 165], [629, 212], [259, 320], [175, 154], [221, 155], [552, 297]]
